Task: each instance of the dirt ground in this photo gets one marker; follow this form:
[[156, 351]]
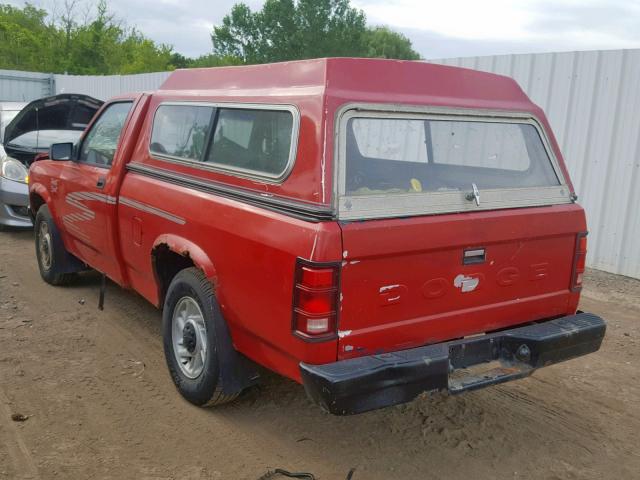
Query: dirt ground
[[100, 404]]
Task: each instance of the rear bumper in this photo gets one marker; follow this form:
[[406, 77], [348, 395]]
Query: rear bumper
[[366, 383], [14, 202]]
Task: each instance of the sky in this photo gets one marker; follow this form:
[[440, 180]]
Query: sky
[[437, 28]]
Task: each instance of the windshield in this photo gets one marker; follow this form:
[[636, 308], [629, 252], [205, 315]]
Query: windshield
[[42, 140], [414, 155], [5, 118]]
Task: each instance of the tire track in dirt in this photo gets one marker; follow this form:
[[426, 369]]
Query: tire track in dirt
[[536, 414], [24, 467]]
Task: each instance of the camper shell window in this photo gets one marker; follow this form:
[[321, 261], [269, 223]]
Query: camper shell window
[[247, 140], [405, 163]]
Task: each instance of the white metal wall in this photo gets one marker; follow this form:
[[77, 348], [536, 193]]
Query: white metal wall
[[592, 100], [18, 86], [105, 87]]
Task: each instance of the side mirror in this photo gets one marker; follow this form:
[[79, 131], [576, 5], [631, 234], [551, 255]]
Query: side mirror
[[61, 151]]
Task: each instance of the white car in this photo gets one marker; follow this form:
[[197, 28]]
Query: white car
[[27, 130], [12, 177]]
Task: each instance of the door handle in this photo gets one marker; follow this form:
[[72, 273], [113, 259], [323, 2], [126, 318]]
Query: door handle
[[100, 183]]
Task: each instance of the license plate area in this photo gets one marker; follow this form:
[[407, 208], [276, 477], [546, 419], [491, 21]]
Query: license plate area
[[484, 374], [485, 360]]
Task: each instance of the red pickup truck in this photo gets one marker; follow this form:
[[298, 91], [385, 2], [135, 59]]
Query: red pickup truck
[[372, 229]]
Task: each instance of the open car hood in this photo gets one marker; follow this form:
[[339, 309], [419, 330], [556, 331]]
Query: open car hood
[[67, 111]]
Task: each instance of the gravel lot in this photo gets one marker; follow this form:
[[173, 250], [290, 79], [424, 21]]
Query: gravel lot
[[99, 403]]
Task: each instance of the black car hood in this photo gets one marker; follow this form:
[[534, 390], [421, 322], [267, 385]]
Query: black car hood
[[67, 111]]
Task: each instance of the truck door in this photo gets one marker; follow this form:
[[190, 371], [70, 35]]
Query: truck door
[[88, 199]]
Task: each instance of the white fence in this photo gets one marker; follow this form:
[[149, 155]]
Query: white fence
[[105, 87], [592, 100], [18, 86]]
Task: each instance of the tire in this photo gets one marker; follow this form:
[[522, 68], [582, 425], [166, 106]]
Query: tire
[[188, 324], [50, 252]]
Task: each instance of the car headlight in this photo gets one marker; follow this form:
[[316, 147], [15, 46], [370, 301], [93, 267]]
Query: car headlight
[[12, 169]]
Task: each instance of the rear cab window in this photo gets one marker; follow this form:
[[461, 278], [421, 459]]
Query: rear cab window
[[394, 163], [257, 141]]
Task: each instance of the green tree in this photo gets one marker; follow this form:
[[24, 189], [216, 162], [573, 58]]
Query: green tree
[[179, 61], [297, 29], [26, 39], [382, 42], [33, 39], [103, 46], [212, 60], [288, 30]]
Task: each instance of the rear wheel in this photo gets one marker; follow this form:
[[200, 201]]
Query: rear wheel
[[50, 250], [190, 341]]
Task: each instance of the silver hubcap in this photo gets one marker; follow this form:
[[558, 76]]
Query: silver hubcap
[[189, 337], [44, 246]]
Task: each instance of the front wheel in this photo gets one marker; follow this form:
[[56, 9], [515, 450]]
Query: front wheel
[[50, 250], [189, 339]]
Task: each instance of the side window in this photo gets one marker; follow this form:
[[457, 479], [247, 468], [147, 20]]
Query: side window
[[254, 140], [181, 130], [99, 146]]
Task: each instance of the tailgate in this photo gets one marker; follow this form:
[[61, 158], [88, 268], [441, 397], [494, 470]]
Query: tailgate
[[420, 280]]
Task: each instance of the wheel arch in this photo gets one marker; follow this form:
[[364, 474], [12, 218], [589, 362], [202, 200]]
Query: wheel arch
[[172, 253], [39, 196]]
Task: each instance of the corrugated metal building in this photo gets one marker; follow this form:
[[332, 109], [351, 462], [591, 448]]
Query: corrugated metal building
[[592, 100]]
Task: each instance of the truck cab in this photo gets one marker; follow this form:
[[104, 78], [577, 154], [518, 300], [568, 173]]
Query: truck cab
[[371, 229]]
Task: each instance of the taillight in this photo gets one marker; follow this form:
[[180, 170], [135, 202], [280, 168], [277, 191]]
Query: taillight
[[315, 300], [579, 260]]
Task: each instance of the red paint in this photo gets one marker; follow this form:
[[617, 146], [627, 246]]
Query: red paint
[[397, 280], [525, 277]]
